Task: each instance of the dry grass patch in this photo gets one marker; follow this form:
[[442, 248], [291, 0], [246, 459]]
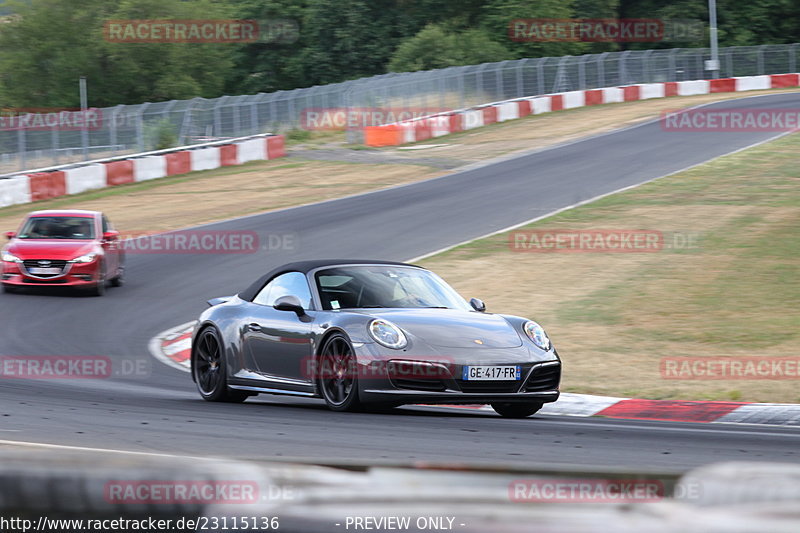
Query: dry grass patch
[[730, 287]]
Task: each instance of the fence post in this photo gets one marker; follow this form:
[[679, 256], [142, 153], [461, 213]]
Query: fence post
[[760, 59], [112, 130], [540, 75], [673, 67], [601, 68], [793, 57], [140, 127], [21, 148]]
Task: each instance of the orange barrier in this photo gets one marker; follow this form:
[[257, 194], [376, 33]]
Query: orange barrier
[[671, 88], [780, 81], [524, 108], [276, 146], [593, 97], [630, 93], [722, 85], [489, 115], [44, 185], [119, 172], [178, 163], [390, 135], [556, 102], [228, 155]]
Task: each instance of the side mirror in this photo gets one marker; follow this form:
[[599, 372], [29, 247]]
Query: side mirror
[[290, 303], [11, 234], [111, 235], [477, 305]]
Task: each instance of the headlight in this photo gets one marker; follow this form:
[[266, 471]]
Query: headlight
[[11, 258], [536, 333], [88, 258], [387, 334]]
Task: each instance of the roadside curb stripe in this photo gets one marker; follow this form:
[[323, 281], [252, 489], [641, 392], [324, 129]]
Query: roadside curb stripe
[[674, 411]]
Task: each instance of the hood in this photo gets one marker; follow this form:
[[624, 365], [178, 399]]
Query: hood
[[452, 328], [49, 248]]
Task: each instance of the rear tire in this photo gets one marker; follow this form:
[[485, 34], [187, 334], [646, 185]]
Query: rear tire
[[209, 369], [516, 410], [338, 374]]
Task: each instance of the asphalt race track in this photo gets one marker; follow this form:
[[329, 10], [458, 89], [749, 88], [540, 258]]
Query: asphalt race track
[[158, 410]]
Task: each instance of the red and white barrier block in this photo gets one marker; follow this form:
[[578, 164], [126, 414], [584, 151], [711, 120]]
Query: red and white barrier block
[[420, 129], [74, 179]]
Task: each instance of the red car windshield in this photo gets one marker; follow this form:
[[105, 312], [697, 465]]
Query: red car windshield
[[77, 228]]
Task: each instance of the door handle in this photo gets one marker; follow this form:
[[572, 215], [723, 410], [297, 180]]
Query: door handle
[[253, 327]]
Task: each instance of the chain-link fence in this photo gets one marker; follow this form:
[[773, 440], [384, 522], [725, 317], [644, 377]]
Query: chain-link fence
[[136, 128]]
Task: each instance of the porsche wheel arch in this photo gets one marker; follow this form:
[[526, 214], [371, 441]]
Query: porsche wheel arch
[[200, 329]]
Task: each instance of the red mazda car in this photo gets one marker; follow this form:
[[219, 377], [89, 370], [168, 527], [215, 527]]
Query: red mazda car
[[63, 248]]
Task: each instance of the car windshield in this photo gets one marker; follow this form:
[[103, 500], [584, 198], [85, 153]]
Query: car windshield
[[362, 287], [53, 227]]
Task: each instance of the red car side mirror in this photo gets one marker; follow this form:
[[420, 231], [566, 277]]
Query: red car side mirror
[[111, 235], [11, 234]]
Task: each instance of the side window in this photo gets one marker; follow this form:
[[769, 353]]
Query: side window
[[106, 225], [293, 283]]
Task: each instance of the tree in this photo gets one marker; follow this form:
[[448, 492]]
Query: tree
[[51, 43], [434, 47]]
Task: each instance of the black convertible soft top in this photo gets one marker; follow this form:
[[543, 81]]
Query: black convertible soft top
[[304, 267]]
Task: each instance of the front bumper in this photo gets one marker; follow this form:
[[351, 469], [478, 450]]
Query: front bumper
[[73, 275]]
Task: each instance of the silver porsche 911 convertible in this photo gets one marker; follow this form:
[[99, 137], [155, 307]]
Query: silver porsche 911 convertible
[[370, 334]]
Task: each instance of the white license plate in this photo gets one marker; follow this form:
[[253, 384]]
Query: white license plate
[[45, 271], [491, 373]]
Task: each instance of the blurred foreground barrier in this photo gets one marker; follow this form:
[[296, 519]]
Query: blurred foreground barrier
[[46, 486]]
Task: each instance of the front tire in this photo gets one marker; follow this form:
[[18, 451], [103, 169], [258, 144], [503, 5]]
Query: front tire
[[8, 289], [209, 370], [99, 288], [338, 374], [516, 410]]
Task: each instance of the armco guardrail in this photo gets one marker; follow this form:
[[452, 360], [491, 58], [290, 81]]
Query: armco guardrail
[[51, 182], [424, 128]]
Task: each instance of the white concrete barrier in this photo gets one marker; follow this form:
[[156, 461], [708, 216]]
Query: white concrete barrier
[[251, 150], [507, 111], [14, 191], [149, 168], [205, 158], [613, 95], [573, 99], [753, 83], [540, 104], [473, 119], [651, 90], [689, 88], [409, 134], [85, 178]]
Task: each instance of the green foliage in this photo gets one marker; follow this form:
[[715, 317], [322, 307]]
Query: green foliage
[[52, 43], [160, 135], [435, 47], [46, 45]]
